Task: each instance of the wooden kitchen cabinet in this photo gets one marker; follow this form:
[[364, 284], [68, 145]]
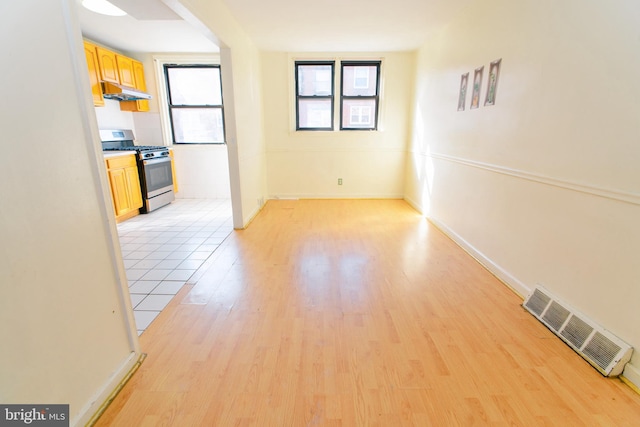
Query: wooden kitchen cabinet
[[125, 186], [140, 84], [108, 65], [94, 73], [173, 172], [112, 67], [125, 71]]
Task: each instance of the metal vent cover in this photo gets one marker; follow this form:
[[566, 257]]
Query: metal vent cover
[[556, 315], [537, 302], [603, 350], [577, 331]]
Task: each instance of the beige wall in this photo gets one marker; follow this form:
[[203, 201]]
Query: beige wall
[[309, 163], [544, 187], [66, 331]]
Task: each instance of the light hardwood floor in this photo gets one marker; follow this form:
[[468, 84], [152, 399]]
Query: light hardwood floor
[[357, 313]]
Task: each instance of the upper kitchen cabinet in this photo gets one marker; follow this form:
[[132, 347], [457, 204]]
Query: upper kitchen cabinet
[[108, 65], [140, 84], [125, 71], [94, 73]]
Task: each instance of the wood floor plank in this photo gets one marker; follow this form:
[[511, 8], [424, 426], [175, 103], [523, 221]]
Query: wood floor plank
[[356, 313]]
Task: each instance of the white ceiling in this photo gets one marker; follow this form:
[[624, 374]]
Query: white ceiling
[[150, 26], [342, 25], [281, 25]]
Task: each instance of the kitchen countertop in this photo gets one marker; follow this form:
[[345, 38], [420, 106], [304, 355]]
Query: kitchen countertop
[[111, 154]]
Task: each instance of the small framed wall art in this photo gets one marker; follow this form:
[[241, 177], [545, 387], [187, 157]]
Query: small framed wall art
[[477, 82], [492, 82], [462, 97]]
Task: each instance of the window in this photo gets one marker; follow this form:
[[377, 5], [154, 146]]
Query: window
[[314, 95], [195, 104], [361, 78], [360, 115], [359, 95]]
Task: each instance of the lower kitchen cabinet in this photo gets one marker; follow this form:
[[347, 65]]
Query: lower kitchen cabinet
[[173, 171], [125, 186]]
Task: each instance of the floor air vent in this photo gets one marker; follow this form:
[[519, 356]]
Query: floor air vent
[[606, 352]]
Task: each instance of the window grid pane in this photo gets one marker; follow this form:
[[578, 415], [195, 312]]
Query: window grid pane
[[358, 113], [314, 95], [195, 104], [195, 86], [359, 95], [197, 125], [359, 80], [314, 113]]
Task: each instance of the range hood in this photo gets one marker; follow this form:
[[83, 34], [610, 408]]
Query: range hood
[[122, 93]]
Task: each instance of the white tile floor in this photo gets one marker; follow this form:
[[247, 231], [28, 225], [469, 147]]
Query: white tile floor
[[162, 250]]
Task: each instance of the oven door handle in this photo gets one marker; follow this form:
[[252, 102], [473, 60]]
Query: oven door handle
[[156, 161]]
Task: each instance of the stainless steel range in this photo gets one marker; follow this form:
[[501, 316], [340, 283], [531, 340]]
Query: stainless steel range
[[154, 167]]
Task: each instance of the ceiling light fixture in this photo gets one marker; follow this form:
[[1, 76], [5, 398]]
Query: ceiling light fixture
[[103, 7]]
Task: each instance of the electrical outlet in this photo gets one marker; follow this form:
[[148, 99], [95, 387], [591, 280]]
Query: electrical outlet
[[339, 181]]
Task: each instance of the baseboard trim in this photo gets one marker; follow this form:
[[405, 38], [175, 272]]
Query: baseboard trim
[[631, 377], [252, 216], [92, 411], [631, 374], [501, 274], [334, 196], [415, 205]]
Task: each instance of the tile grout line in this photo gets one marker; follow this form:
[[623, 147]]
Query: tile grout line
[[146, 247]]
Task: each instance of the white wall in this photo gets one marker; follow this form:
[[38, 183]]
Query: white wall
[[146, 126], [241, 86], [309, 163], [202, 171], [148, 129], [66, 332], [544, 187], [110, 116]]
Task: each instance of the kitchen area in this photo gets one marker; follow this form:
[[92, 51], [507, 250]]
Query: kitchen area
[[171, 200]]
